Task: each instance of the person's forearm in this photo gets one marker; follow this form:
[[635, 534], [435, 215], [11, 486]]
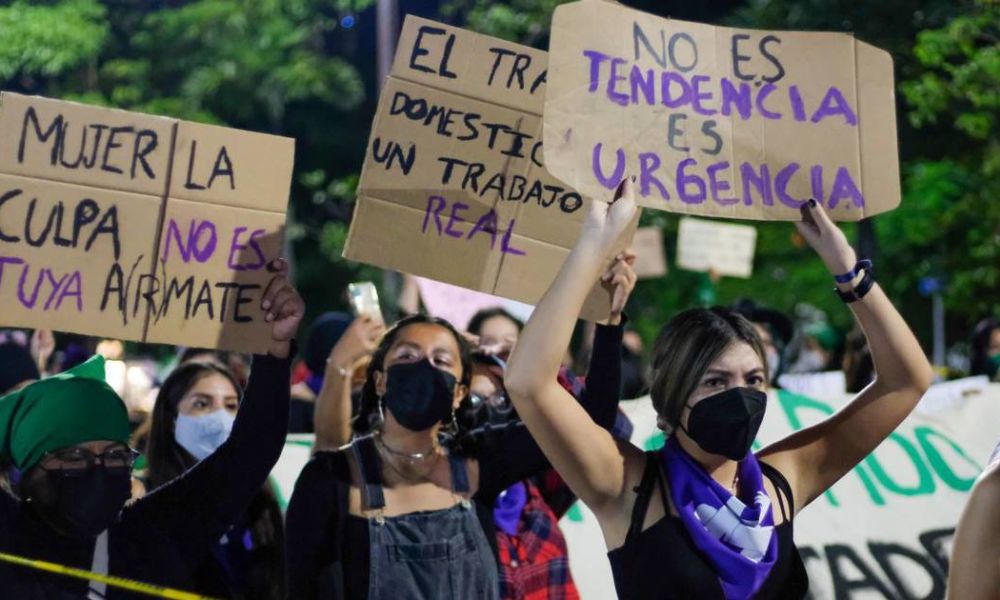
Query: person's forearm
[[542, 343], [333, 410]]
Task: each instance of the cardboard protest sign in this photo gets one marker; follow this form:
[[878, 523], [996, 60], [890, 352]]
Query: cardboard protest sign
[[725, 249], [453, 186], [137, 227], [719, 121], [650, 256]]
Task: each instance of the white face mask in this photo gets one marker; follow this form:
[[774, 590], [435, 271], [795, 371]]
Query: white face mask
[[201, 436], [810, 361], [773, 363]]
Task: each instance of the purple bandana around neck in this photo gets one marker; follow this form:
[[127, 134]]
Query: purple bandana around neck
[[508, 508], [738, 540]]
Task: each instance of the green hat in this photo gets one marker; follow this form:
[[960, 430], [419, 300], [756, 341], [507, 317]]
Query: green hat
[[71, 408], [826, 336]]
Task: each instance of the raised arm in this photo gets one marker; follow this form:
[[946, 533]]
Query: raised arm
[[815, 458], [582, 451], [333, 404], [196, 508]]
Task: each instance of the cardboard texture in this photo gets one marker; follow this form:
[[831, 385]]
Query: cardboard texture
[[453, 186], [718, 121], [650, 255], [721, 248], [130, 226]]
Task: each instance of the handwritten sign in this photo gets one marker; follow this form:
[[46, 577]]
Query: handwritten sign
[[719, 121], [137, 227], [454, 187], [725, 249]]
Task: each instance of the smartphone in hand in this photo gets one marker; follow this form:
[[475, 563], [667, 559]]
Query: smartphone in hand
[[364, 300]]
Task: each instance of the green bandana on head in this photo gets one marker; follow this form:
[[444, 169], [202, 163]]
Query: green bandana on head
[[70, 408]]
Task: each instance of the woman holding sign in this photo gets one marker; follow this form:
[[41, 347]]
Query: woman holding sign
[[65, 439], [705, 517], [407, 510]]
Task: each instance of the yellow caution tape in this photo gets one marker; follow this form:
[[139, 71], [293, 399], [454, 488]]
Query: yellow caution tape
[[118, 582]]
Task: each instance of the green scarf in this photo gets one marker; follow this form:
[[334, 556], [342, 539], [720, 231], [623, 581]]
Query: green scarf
[[71, 408]]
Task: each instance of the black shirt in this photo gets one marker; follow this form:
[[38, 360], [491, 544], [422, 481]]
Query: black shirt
[[328, 550], [163, 537], [663, 562]]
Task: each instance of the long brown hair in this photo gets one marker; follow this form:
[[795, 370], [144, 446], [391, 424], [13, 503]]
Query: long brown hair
[[167, 460], [686, 348]]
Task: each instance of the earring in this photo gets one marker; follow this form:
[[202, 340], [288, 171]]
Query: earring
[[381, 415]]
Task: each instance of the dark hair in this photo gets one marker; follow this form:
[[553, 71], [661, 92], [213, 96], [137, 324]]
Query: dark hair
[[167, 460], [686, 347], [367, 417], [859, 368], [979, 355], [477, 320]]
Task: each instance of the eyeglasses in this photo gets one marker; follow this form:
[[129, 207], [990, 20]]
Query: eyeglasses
[[498, 402], [79, 461]]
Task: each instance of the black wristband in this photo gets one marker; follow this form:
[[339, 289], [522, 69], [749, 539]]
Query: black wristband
[[860, 291]]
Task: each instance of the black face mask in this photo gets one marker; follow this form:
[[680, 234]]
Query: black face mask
[[419, 394], [726, 423], [86, 503]]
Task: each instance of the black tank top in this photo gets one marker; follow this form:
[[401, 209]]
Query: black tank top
[[663, 562]]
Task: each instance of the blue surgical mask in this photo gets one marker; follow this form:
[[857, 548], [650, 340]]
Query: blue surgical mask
[[203, 435]]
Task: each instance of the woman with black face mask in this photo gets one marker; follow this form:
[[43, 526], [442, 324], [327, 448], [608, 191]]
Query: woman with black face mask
[[407, 509], [705, 517], [65, 438]]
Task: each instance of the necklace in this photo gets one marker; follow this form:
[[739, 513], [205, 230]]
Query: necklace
[[411, 457], [388, 452]]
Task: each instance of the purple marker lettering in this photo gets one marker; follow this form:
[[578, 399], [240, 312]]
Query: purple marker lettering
[[749, 179], [455, 209], [596, 58], [716, 186], [25, 301], [684, 180], [613, 95], [435, 210], [667, 79], [174, 233], [740, 97], [834, 104], [56, 287], [236, 247], [816, 178], [9, 260], [649, 162], [203, 252], [487, 223], [697, 96], [72, 289], [798, 107], [781, 186], [844, 187], [761, 97], [505, 246], [617, 175], [644, 82]]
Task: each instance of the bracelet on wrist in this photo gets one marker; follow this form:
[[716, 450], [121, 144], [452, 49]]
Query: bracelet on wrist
[[859, 291], [862, 265], [342, 371]]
